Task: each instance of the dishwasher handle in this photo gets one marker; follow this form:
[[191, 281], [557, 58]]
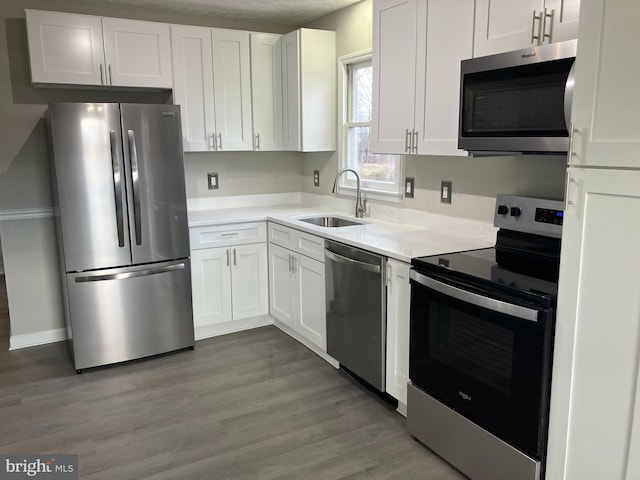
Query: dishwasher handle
[[369, 267]]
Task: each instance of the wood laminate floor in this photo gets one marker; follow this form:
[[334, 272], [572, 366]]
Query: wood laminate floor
[[251, 405]]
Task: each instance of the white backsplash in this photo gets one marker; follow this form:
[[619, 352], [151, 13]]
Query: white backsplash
[[242, 201]]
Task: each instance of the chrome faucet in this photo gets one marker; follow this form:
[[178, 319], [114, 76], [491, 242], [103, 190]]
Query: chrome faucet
[[361, 205]]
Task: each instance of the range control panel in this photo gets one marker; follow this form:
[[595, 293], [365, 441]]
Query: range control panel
[[530, 215]]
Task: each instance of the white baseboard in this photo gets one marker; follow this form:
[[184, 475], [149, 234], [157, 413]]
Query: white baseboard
[[233, 326], [38, 338]]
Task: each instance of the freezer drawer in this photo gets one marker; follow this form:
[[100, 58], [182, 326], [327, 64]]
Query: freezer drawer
[[127, 313]]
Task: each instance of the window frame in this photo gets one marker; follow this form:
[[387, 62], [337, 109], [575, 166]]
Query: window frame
[[347, 181]]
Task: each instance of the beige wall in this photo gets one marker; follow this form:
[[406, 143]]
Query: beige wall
[[243, 173], [476, 181], [29, 245]]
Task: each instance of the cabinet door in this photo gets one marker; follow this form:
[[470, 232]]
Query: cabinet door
[[394, 74], [606, 102], [398, 302], [138, 54], [65, 48], [311, 305], [504, 25], [193, 85], [211, 283], [562, 20], [595, 397], [249, 281], [317, 90], [282, 287], [266, 90], [291, 91], [232, 90], [441, 22]]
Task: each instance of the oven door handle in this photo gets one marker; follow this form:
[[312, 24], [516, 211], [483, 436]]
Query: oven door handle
[[510, 309]]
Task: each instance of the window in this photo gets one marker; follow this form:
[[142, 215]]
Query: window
[[379, 173]]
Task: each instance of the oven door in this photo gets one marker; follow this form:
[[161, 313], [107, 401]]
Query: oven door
[[484, 357]]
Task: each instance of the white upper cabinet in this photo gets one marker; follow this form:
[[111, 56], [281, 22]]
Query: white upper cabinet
[[415, 79], [232, 90], [266, 90], [505, 25], [193, 86], [606, 101], [448, 23], [309, 90], [67, 48], [394, 75], [212, 85], [137, 54]]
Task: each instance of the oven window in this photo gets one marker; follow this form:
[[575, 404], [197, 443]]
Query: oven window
[[524, 101], [479, 349]]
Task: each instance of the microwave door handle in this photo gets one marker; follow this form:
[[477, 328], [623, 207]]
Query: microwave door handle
[[499, 306], [568, 95]]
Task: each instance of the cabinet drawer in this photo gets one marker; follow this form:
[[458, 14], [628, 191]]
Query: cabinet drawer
[[306, 244], [283, 236], [310, 245], [223, 235]]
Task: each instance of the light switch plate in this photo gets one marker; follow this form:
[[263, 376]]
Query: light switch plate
[[316, 178], [445, 192], [212, 181], [409, 183]]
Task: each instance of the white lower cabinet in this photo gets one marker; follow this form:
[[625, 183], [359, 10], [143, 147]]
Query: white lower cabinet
[[398, 303], [296, 284], [229, 283], [297, 297]]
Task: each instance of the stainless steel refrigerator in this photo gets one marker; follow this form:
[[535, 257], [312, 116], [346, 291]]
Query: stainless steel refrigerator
[[118, 182]]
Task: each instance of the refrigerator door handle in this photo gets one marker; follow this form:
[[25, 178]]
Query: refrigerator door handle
[[133, 157], [134, 274], [117, 186]]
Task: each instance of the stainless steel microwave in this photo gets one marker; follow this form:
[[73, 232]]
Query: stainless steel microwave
[[517, 102]]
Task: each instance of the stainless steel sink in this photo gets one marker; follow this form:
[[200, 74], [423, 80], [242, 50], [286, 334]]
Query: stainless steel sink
[[331, 222]]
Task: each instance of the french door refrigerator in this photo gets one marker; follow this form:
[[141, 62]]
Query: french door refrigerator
[[123, 241]]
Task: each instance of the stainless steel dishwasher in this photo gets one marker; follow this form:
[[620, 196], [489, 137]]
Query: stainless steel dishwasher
[[356, 311]]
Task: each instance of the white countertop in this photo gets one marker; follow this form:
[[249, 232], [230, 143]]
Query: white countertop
[[395, 240]]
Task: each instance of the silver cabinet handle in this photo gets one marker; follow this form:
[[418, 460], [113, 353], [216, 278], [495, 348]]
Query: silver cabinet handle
[[349, 261], [499, 306], [211, 140], [134, 274], [257, 141], [533, 28], [117, 185], [235, 260], [544, 24], [227, 257], [290, 264], [407, 141], [219, 146], [133, 158], [101, 76], [110, 77], [233, 234], [414, 142]]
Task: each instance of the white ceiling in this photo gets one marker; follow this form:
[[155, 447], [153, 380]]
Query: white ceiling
[[285, 12]]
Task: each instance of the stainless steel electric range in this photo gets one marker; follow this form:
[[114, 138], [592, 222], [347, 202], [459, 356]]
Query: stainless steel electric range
[[481, 345]]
